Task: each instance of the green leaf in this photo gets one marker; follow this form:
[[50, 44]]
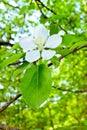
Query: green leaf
[[53, 29], [20, 69], [70, 39], [55, 61], [42, 19], [23, 10], [36, 85], [62, 51], [11, 59]]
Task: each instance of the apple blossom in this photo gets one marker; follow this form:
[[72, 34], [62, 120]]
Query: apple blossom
[[39, 45]]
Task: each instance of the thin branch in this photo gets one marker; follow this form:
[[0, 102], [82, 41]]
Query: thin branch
[[9, 102], [73, 51], [70, 90], [3, 43], [16, 63], [57, 24], [46, 7], [10, 4], [2, 127], [41, 10], [51, 119]]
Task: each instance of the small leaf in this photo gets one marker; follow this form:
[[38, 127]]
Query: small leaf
[[55, 61], [53, 29], [20, 69], [42, 19], [23, 10], [36, 85], [11, 59]]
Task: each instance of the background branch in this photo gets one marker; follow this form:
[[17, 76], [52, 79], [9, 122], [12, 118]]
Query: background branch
[[70, 90], [2, 127], [10, 4], [9, 102]]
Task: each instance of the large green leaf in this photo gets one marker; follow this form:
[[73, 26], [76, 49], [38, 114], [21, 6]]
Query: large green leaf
[[36, 85]]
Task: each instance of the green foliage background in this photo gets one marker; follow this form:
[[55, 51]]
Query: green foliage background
[[66, 107]]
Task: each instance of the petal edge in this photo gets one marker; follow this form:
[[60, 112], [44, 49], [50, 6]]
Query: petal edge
[[53, 41], [32, 56]]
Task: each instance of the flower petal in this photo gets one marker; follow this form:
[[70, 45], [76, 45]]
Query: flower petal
[[40, 34], [61, 33], [47, 54], [27, 43], [53, 41], [32, 56]]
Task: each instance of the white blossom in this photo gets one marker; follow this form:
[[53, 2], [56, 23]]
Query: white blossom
[[39, 45]]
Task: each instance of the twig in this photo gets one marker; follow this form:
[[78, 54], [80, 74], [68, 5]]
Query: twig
[[5, 43], [73, 51], [57, 24], [9, 102], [10, 4], [46, 7], [70, 90], [41, 10]]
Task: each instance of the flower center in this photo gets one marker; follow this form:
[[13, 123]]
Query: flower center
[[39, 42]]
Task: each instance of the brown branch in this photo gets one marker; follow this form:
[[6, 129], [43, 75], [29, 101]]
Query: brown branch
[[2, 127], [9, 102], [73, 51], [70, 90]]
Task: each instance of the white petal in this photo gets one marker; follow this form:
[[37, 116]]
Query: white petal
[[32, 56], [61, 33], [40, 34], [53, 41], [47, 54], [27, 43]]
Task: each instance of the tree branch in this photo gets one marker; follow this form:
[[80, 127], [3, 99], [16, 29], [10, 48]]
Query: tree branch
[[9, 102]]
